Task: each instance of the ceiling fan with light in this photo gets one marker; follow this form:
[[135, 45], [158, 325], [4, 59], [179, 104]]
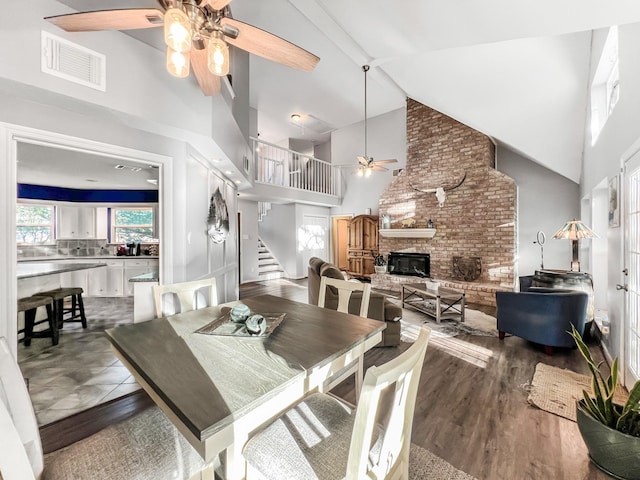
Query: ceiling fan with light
[[196, 33], [366, 163]]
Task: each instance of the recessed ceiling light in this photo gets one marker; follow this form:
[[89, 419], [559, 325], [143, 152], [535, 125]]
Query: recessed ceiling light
[[153, 181], [119, 167], [295, 117], [238, 182], [228, 172]]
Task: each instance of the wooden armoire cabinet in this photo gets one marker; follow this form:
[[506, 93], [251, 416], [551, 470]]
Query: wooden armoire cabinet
[[363, 239]]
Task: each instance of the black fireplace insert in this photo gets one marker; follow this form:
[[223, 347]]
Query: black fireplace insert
[[416, 264]]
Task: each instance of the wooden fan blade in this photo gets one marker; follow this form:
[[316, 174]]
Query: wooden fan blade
[[382, 162], [215, 4], [363, 160], [378, 168], [123, 19], [267, 45], [209, 83]]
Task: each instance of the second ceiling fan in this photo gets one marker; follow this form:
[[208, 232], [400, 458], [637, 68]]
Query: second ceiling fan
[[196, 33], [366, 163]]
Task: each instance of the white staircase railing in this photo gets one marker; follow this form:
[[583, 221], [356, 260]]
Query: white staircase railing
[[263, 209], [282, 167]]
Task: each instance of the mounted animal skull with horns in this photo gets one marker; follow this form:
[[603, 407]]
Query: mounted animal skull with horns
[[441, 192]]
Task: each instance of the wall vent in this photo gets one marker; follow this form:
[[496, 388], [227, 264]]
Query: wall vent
[[73, 62]]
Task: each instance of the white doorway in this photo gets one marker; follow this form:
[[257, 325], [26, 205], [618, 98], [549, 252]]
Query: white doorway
[[630, 191], [313, 237]]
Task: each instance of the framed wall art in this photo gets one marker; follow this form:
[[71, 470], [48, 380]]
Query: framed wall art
[[614, 201]]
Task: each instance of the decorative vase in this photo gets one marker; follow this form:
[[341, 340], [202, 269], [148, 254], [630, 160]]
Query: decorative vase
[[380, 268], [613, 452]]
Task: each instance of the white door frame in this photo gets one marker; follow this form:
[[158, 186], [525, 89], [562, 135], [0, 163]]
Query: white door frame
[[624, 205], [10, 136]]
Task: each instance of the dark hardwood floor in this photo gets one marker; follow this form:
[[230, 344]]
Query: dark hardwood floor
[[471, 408]]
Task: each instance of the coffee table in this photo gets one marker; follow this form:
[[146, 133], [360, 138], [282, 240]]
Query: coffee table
[[446, 302]]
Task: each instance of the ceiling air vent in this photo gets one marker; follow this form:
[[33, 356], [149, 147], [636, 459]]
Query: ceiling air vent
[[73, 62]]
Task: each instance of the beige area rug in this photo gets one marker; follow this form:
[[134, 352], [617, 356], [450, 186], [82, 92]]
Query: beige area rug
[[424, 465], [556, 390], [476, 323]]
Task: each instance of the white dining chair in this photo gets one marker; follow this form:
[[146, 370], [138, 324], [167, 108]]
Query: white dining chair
[[185, 296], [146, 446], [345, 289], [324, 438]]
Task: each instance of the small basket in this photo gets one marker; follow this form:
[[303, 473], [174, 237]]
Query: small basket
[[432, 285]]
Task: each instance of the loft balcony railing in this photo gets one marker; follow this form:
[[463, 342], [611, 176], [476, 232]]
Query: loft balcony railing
[[282, 167]]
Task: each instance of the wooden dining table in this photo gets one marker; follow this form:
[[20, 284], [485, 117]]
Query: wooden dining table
[[218, 389]]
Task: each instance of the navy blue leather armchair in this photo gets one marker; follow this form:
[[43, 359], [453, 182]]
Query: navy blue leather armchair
[[542, 315]]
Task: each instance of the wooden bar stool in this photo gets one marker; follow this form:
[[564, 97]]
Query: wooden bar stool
[[29, 305], [75, 312]]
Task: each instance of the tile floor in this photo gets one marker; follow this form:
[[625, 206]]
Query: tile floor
[[81, 371]]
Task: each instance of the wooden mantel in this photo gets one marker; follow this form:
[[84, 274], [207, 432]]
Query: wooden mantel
[[408, 232]]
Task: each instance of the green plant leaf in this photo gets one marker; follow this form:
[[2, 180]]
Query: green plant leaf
[[601, 407], [612, 382], [631, 410], [592, 408]]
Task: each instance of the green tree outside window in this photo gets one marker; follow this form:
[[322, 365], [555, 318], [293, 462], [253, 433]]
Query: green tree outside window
[[132, 225], [34, 224]]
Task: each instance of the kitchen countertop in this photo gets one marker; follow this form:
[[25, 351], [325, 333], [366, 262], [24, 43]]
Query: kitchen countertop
[[39, 269], [58, 258], [146, 277]]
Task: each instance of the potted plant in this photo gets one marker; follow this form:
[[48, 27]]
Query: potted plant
[[610, 431], [379, 262]]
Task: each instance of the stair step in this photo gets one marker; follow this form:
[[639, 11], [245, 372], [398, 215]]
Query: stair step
[[270, 275], [269, 268], [266, 262]]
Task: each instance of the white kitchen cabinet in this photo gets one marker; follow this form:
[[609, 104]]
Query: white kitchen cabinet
[[107, 282], [135, 267], [76, 222]]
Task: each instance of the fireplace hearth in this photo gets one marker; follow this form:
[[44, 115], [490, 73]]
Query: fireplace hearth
[[415, 264]]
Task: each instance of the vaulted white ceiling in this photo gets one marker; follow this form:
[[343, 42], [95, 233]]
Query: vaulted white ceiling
[[517, 71]]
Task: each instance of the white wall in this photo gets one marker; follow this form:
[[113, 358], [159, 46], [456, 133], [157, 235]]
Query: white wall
[[387, 139], [546, 200], [600, 245], [249, 241], [322, 151], [222, 258], [603, 160]]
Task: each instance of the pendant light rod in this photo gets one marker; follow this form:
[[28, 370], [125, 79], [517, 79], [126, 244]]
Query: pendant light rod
[[365, 69]]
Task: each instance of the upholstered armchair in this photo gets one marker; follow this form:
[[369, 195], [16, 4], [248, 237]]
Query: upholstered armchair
[[380, 308], [542, 315]]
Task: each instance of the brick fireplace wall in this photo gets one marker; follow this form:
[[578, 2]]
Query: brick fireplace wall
[[478, 219]]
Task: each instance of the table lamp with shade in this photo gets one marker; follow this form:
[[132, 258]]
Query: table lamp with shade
[[574, 230]]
